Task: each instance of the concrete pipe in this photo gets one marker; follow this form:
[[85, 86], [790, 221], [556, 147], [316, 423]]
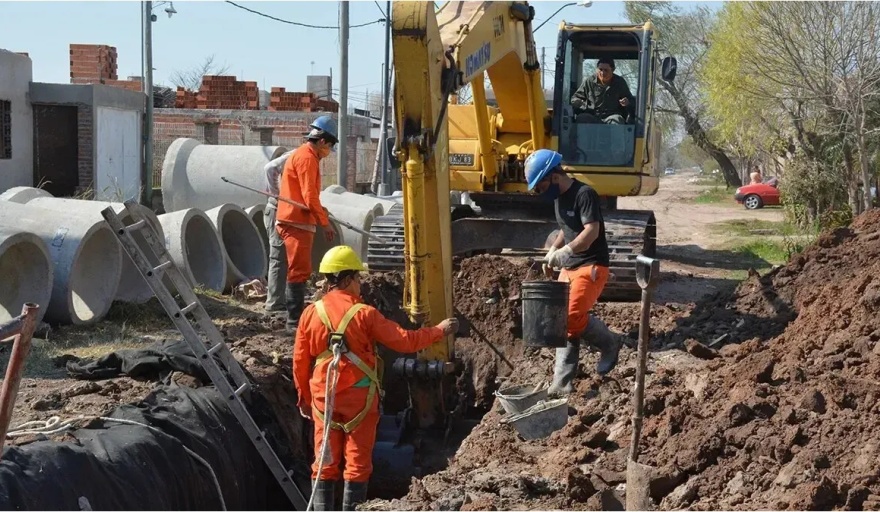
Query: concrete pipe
[[331, 201], [195, 248], [358, 217], [352, 199], [191, 174], [321, 245], [25, 271], [23, 195], [242, 244], [256, 213], [86, 256], [132, 286]]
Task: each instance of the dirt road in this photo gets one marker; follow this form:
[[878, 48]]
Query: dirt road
[[688, 238]]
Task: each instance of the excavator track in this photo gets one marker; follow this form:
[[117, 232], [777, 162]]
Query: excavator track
[[629, 233]]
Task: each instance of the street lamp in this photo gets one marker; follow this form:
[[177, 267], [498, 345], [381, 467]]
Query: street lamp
[[582, 3], [147, 49]]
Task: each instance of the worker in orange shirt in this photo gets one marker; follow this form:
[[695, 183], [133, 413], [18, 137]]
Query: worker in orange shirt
[[301, 182], [341, 320]]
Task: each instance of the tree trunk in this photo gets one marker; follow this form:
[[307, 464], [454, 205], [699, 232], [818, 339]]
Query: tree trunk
[[852, 181], [698, 134], [865, 164]]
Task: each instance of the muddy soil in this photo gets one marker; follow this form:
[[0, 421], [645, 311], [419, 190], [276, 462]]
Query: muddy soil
[[779, 414]]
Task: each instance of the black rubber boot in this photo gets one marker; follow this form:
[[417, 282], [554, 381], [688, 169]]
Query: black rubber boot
[[565, 369], [606, 341], [295, 294], [325, 495], [353, 494]]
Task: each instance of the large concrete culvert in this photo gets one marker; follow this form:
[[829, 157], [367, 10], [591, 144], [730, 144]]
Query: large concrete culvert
[[132, 286], [25, 272], [191, 174], [195, 248], [242, 244], [86, 256], [257, 215], [23, 195]]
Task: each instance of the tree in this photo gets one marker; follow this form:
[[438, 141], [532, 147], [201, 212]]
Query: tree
[[191, 79], [685, 34]]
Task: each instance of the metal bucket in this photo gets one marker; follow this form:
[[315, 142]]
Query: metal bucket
[[516, 399], [540, 420], [545, 313]]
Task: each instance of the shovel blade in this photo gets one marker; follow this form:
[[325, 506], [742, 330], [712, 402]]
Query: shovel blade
[[638, 488]]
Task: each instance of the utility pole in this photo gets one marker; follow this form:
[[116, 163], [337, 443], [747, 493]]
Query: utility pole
[[542, 69], [342, 154], [147, 198], [386, 96]]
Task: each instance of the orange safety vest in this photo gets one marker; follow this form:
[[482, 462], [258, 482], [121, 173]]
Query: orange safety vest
[[337, 336]]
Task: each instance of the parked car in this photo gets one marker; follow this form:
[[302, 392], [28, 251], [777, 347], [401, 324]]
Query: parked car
[[669, 171], [758, 195]]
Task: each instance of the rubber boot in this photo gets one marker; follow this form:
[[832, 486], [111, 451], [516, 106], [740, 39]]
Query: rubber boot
[[325, 495], [295, 293], [353, 494], [565, 369], [606, 341]]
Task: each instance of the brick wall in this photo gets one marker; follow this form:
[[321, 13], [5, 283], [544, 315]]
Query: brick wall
[[85, 148], [246, 127], [96, 64]]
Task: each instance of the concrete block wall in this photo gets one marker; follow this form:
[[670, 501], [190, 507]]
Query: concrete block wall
[[85, 148], [16, 121]]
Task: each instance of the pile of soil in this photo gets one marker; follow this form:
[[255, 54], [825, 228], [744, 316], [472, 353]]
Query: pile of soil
[[780, 414]]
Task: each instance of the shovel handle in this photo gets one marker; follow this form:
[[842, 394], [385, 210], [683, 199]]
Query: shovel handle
[[647, 274]]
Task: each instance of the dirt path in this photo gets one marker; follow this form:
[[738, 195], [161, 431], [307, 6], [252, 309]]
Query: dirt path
[[687, 241]]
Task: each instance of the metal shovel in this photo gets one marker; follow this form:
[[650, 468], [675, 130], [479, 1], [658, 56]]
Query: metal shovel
[[638, 476]]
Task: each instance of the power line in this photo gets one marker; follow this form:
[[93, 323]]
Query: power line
[[380, 9], [306, 25]]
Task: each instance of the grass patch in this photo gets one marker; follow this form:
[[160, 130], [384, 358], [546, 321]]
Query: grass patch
[[771, 251], [714, 195], [756, 227]]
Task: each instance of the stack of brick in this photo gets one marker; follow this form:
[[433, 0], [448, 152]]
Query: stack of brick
[[96, 64], [185, 98], [225, 92], [281, 100]]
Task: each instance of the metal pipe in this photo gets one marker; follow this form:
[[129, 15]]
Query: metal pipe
[[20, 349], [342, 154], [386, 95]]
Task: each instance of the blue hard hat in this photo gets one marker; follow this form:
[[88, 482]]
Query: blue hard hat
[[324, 125], [539, 164]]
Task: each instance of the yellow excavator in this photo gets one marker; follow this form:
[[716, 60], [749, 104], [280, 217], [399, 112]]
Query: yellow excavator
[[481, 149]]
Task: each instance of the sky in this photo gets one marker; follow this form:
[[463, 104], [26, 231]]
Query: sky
[[273, 53]]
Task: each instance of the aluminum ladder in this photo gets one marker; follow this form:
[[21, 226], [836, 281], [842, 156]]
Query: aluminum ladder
[[160, 271]]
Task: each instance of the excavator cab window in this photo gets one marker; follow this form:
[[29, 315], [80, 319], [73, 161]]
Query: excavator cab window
[[602, 137]]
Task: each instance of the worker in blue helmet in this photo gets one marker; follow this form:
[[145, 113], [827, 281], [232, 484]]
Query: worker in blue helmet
[[301, 182], [580, 251]]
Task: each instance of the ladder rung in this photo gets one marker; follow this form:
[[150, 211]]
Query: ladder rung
[[216, 348], [189, 307], [136, 226], [241, 389], [161, 267]]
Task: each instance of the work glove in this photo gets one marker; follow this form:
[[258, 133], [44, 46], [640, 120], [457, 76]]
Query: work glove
[[449, 326], [548, 271], [559, 258]]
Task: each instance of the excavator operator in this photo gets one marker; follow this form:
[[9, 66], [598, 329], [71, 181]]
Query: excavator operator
[[583, 260], [301, 182], [603, 97], [336, 366]]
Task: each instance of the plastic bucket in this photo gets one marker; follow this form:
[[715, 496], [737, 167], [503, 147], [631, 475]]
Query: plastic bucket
[[516, 399], [545, 313], [541, 419]]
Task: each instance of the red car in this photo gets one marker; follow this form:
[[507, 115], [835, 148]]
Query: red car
[[758, 195]]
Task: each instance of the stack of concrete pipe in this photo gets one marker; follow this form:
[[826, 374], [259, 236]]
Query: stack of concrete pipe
[[256, 213], [195, 247], [242, 244], [86, 261], [356, 209], [26, 272]]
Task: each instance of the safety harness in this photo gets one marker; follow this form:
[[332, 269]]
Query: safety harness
[[337, 341]]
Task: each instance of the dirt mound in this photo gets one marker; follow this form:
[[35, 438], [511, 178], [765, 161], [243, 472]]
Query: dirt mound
[[784, 417]]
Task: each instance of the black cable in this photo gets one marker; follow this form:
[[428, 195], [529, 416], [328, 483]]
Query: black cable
[[306, 25], [380, 9]]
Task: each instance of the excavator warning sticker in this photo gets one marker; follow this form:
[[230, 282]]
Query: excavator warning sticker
[[462, 159], [478, 59]]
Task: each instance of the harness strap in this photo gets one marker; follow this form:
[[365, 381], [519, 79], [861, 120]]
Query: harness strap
[[336, 336]]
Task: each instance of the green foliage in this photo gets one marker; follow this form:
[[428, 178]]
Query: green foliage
[[715, 195]]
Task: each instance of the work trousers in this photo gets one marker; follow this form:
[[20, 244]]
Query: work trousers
[[357, 446], [587, 118], [277, 263], [298, 248], [585, 286]]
